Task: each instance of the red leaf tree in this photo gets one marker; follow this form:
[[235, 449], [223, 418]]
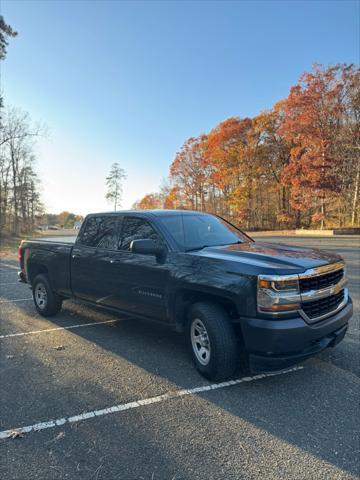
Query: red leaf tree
[[312, 124]]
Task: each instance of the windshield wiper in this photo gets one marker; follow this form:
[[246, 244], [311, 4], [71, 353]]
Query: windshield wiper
[[193, 249], [196, 248]]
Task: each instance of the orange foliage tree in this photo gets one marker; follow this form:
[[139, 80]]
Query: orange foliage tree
[[190, 174], [151, 201], [297, 164], [312, 123]]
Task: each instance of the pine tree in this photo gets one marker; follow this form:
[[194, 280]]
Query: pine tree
[[114, 185]]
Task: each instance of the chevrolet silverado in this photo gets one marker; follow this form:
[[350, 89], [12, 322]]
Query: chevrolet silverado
[[238, 301]]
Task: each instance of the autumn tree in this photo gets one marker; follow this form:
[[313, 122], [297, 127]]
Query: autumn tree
[[190, 172], [313, 119], [150, 201], [173, 199], [348, 145], [230, 154], [295, 165], [114, 185], [273, 155], [66, 219], [234, 171], [62, 218]]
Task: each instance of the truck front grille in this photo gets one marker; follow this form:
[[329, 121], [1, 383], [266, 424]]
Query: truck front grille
[[320, 281], [318, 308]]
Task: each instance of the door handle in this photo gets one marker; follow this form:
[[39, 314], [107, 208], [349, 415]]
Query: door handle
[[74, 255], [115, 261]]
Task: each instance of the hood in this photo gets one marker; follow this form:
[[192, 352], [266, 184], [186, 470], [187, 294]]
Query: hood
[[273, 258]]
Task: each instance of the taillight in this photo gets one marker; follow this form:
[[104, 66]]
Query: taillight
[[20, 253]]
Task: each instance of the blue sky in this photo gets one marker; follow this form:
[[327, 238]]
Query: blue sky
[[131, 81]]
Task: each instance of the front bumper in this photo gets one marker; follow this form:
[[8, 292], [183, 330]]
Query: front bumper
[[278, 344]]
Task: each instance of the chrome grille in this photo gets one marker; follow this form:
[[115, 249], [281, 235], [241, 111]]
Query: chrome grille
[[322, 291], [320, 281], [323, 306]]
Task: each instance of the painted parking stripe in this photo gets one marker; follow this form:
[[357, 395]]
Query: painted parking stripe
[[139, 403], [16, 300], [70, 327], [11, 283]]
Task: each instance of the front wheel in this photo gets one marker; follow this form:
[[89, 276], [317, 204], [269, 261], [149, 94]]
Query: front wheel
[[46, 301], [212, 341]]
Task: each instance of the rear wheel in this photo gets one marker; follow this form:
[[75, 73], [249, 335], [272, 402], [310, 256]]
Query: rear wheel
[[212, 341], [46, 301]]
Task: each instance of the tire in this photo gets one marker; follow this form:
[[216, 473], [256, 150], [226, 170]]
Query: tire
[[209, 328], [47, 302]]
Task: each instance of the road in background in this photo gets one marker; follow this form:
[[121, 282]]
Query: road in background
[[299, 425]]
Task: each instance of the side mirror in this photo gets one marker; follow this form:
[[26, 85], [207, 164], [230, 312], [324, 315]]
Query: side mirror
[[148, 247]]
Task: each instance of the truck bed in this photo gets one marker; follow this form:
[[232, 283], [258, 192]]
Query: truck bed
[[53, 255], [58, 239]]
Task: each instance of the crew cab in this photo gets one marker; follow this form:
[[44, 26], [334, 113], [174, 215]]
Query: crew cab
[[267, 306]]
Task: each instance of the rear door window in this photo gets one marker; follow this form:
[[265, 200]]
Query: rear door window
[[100, 232], [136, 229]]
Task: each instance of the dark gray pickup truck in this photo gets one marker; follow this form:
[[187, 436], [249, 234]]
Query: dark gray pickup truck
[[269, 305]]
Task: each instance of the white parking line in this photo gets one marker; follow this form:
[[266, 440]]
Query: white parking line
[[16, 300], [11, 283], [7, 265], [139, 403], [70, 327]]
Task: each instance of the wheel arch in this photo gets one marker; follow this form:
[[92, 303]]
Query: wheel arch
[[35, 269], [185, 298]]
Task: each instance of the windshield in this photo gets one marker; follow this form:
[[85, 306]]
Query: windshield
[[193, 232]]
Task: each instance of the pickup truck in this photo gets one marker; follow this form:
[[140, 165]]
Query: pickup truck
[[239, 302]]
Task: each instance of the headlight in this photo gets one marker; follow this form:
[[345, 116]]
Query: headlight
[[278, 294]]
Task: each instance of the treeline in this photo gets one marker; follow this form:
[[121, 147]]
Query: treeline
[[19, 182], [62, 220], [296, 165]]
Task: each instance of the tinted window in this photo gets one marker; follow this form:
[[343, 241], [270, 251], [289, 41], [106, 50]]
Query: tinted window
[[174, 225], [100, 232], [136, 229], [198, 231]]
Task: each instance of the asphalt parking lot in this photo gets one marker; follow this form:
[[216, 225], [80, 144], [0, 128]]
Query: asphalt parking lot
[[105, 397]]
